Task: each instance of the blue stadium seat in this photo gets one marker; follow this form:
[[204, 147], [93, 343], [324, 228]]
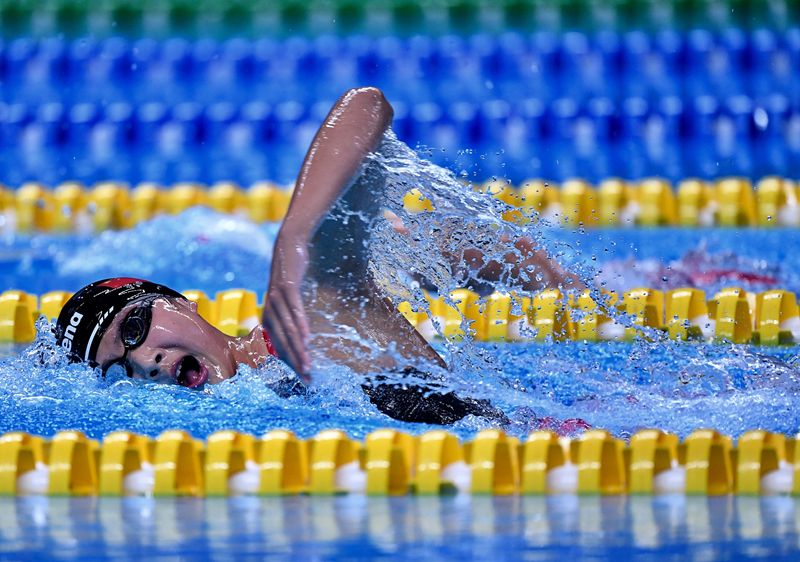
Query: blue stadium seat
[[14, 117], [218, 119], [256, 118], [82, 119], [80, 55], [115, 52], [771, 121], [187, 122], [148, 120], [666, 102], [49, 122], [119, 121], [287, 117], [18, 54], [239, 54], [700, 146]]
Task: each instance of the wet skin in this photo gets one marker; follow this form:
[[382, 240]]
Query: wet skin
[[181, 347]]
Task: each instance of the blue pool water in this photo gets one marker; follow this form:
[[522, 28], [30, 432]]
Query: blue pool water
[[214, 252], [667, 528], [622, 387], [619, 386]]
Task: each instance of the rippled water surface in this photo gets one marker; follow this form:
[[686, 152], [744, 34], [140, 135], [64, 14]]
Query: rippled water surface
[[620, 386], [404, 528]]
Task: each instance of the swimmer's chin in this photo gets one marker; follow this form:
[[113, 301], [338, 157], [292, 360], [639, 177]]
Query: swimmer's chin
[[217, 374]]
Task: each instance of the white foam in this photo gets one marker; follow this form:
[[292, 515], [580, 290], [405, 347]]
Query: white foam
[[427, 329], [245, 482], [350, 478], [789, 215], [707, 215], [140, 482], [459, 475], [563, 479], [610, 331], [708, 327], [792, 325], [629, 213], [778, 482], [670, 481], [519, 330], [34, 482], [551, 213]]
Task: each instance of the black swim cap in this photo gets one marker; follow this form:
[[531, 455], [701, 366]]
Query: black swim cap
[[88, 313]]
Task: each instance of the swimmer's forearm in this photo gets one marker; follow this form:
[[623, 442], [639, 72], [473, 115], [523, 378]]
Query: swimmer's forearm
[[353, 128]]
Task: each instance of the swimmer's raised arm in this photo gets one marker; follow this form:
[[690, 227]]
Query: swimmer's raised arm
[[353, 128]]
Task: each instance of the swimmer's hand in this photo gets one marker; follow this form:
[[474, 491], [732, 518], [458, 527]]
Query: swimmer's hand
[[284, 314], [525, 264]]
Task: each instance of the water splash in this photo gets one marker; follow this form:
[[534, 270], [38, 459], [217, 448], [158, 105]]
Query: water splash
[[420, 251], [620, 386], [200, 248], [464, 218], [41, 392], [184, 254]]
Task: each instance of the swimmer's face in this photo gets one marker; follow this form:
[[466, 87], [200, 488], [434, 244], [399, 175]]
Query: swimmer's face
[[176, 344]]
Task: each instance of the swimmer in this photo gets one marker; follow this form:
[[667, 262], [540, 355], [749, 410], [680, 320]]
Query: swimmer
[[322, 303]]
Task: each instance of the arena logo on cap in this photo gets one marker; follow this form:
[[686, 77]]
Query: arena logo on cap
[[100, 321], [69, 332]]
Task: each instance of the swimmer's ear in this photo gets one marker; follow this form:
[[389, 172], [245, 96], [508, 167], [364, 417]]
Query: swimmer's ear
[[179, 303]]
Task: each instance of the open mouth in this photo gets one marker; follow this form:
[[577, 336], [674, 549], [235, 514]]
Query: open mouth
[[191, 373]]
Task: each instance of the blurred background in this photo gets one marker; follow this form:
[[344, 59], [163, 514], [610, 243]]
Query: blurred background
[[213, 90]]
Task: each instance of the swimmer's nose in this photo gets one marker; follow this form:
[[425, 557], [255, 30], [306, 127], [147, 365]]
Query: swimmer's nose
[[154, 374], [150, 366]]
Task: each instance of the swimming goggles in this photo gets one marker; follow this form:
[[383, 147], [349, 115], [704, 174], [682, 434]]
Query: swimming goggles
[[133, 331]]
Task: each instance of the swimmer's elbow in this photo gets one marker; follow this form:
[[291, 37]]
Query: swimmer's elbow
[[371, 99]]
